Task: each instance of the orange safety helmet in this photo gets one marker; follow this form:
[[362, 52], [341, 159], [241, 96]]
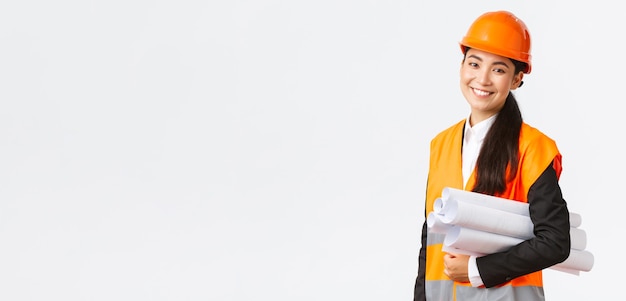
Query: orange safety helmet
[[501, 33]]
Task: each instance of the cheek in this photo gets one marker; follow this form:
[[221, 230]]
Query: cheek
[[506, 86]]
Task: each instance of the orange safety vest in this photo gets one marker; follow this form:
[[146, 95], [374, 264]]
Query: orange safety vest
[[536, 152]]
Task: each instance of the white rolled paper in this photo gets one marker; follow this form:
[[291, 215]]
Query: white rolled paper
[[438, 205], [581, 260], [479, 224], [487, 219], [481, 242], [434, 223], [478, 242], [512, 206], [485, 200], [578, 237], [575, 220]]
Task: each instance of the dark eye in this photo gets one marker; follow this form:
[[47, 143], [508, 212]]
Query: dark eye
[[472, 64], [498, 70]]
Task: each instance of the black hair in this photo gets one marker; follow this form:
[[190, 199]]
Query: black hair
[[499, 155]]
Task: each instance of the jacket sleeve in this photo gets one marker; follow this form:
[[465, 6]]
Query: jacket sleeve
[[420, 291], [551, 244]]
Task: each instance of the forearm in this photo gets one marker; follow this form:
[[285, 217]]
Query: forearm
[[550, 244]]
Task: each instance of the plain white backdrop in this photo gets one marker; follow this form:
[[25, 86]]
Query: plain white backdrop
[[271, 150]]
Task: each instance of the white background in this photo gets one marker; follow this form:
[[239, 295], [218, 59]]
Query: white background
[[271, 150]]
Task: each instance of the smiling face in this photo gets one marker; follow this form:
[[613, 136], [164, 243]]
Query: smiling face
[[486, 80]]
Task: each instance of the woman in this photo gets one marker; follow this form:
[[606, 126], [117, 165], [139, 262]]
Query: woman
[[494, 152]]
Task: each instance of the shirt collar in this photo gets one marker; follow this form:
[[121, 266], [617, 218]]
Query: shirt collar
[[479, 130]]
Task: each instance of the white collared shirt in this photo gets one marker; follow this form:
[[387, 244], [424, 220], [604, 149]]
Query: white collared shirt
[[472, 142]]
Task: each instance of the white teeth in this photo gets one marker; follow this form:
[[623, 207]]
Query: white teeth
[[481, 92]]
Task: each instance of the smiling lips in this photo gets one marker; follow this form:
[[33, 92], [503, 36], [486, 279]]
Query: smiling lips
[[481, 92]]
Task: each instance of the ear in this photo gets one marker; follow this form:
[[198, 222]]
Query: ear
[[517, 80]]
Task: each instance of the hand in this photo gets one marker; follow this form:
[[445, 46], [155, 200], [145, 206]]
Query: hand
[[455, 266]]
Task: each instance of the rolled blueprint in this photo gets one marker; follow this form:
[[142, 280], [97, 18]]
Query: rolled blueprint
[[479, 224], [578, 237], [484, 200], [479, 243], [434, 223], [581, 260], [575, 220], [487, 219], [438, 205]]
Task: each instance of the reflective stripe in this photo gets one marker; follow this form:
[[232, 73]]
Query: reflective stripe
[[440, 290], [444, 290], [435, 238], [504, 293]]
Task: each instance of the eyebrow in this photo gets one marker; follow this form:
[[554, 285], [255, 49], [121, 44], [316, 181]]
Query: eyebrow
[[495, 63]]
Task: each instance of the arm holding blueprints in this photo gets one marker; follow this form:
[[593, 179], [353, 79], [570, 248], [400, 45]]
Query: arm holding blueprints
[[477, 224]]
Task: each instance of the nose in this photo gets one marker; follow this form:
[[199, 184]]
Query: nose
[[482, 77]]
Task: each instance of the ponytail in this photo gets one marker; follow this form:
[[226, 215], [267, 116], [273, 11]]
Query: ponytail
[[498, 159]]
